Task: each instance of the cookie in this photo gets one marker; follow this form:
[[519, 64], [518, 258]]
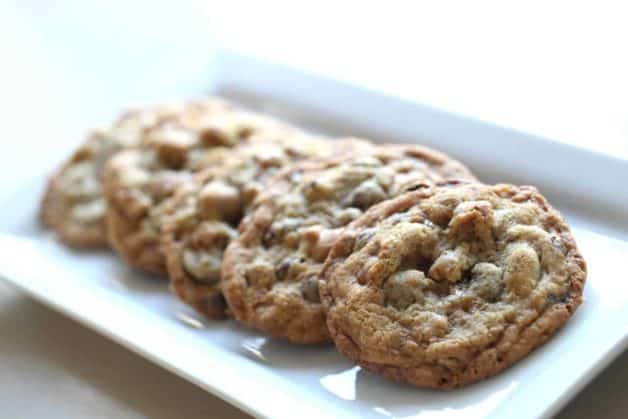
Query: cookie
[[448, 285], [269, 271], [203, 216], [138, 183], [73, 204]]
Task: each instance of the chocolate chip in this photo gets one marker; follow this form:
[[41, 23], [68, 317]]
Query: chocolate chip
[[309, 289], [416, 187], [245, 132], [465, 279], [366, 195], [283, 268], [268, 237], [212, 136], [556, 299]]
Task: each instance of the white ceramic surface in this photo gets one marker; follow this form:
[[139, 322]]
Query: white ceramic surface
[[270, 378]]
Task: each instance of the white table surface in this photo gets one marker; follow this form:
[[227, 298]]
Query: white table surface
[[555, 71]]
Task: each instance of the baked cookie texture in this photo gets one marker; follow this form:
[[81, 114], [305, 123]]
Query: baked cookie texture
[[445, 286], [270, 270], [73, 204], [203, 215], [138, 183]]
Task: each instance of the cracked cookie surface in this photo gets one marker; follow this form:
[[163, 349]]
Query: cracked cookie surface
[[138, 183], [73, 204], [447, 285], [203, 216], [269, 270]]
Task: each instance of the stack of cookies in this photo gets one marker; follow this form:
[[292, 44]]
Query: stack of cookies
[[396, 253]]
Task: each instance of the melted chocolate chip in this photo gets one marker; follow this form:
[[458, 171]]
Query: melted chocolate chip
[[283, 269], [416, 187], [556, 299], [268, 238], [309, 289]]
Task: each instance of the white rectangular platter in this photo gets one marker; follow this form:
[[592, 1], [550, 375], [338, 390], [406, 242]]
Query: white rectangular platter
[[276, 379]]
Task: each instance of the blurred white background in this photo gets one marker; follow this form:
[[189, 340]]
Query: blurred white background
[[555, 69]]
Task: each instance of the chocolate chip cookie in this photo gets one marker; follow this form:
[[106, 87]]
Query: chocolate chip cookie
[[203, 215], [73, 204], [445, 286], [270, 270], [138, 183]]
